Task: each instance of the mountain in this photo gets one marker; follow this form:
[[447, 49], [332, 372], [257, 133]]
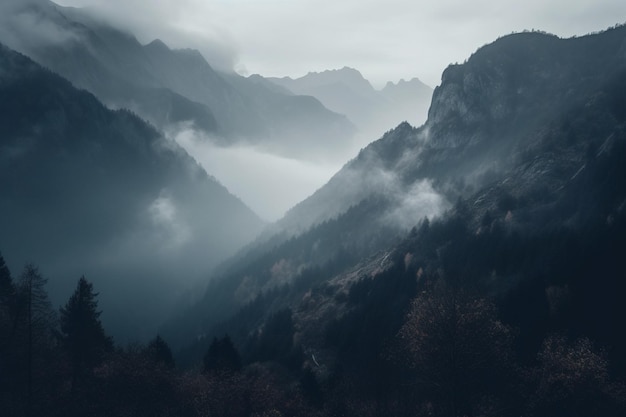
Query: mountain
[[347, 92], [166, 86], [107, 62], [293, 125], [87, 190], [483, 120], [409, 100], [513, 192]]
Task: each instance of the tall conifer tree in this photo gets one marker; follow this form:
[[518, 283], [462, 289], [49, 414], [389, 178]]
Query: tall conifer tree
[[82, 331]]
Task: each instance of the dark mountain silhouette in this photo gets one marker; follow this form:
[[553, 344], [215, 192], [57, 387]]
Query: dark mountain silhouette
[[513, 190], [86, 190], [164, 85]]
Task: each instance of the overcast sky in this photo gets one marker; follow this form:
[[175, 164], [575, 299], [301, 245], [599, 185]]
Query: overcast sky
[[385, 39]]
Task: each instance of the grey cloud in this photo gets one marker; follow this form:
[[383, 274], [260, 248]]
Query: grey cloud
[[267, 182], [16, 22], [415, 202], [179, 23], [409, 202], [386, 40]]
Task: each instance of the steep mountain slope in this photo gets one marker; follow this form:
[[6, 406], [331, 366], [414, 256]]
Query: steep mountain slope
[[345, 91], [109, 63], [486, 118], [525, 144], [163, 85], [87, 190]]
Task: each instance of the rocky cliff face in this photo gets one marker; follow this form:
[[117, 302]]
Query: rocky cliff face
[[495, 113]]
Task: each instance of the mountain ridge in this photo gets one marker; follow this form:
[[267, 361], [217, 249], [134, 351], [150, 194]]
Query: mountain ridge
[[507, 172], [347, 92], [91, 190], [123, 73]]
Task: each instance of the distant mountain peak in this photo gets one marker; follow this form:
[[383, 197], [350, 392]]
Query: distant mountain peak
[[193, 53], [413, 82], [347, 92], [346, 75], [158, 44], [343, 70]]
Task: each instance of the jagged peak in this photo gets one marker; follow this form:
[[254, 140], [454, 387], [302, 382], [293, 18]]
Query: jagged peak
[[157, 44], [502, 75], [344, 70], [404, 83], [346, 76]]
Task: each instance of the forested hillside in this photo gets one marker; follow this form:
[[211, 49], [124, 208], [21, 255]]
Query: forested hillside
[[87, 189], [520, 276], [471, 266]]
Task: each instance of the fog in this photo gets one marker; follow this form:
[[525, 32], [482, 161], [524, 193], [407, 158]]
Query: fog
[[268, 183], [41, 32], [176, 22], [164, 244], [386, 40], [415, 202], [411, 201], [375, 173]]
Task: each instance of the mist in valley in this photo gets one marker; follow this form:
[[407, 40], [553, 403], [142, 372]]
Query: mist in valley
[[267, 182], [302, 204]]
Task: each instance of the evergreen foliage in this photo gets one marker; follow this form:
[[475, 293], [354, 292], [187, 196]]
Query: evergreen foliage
[[222, 356], [160, 352], [82, 333], [7, 288]]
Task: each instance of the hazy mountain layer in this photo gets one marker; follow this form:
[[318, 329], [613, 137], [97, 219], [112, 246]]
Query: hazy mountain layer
[[167, 86], [485, 120], [345, 91], [87, 190]]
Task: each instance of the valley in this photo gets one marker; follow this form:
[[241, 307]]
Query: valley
[[182, 240]]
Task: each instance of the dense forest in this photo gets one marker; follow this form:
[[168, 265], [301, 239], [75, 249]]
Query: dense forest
[[438, 333]]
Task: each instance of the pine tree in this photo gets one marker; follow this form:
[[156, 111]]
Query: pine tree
[[7, 288], [82, 332], [7, 326], [159, 351], [7, 303], [222, 356], [36, 323]]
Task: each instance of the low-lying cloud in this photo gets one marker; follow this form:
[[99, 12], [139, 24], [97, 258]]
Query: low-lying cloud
[[192, 24], [22, 29], [419, 200], [268, 183], [174, 230], [386, 40], [409, 202]]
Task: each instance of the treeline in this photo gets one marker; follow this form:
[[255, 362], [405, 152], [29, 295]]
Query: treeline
[[62, 363], [493, 317], [443, 348], [242, 295], [412, 343]]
